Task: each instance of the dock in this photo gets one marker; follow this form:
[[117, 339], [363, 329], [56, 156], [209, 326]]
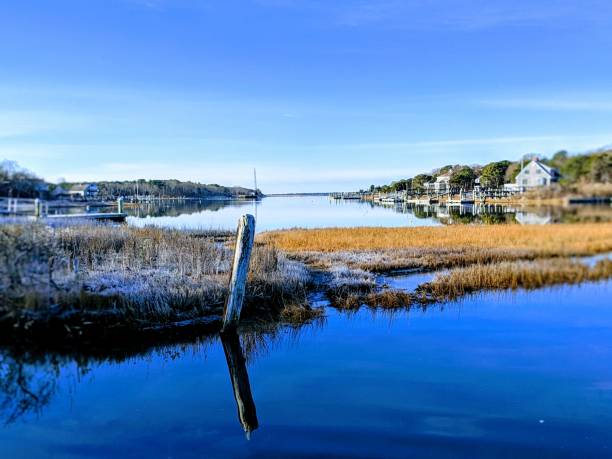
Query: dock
[[40, 210], [107, 216]]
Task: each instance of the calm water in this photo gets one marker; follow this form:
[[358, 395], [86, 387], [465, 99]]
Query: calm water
[[320, 211], [499, 375]]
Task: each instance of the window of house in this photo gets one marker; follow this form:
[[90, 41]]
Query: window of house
[[526, 171], [538, 171], [525, 181]]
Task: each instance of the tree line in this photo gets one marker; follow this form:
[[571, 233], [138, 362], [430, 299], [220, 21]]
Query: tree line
[[18, 182], [169, 189], [594, 167]]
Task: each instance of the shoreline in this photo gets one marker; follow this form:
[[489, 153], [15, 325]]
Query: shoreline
[[92, 283]]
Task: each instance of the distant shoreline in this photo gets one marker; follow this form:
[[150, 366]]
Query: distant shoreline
[[291, 195]]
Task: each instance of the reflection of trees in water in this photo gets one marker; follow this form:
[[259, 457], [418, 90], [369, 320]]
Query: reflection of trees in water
[[187, 207], [25, 388], [30, 380], [501, 213]]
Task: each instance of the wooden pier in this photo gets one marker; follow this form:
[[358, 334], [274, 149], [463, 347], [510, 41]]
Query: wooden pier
[[39, 209], [346, 196], [106, 216]]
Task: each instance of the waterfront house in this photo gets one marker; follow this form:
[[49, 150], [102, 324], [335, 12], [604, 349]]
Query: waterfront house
[[536, 174], [59, 193], [441, 185], [84, 191], [41, 189]]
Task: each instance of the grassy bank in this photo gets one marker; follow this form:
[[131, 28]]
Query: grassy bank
[[512, 276], [487, 257], [458, 282], [88, 279], [383, 249]]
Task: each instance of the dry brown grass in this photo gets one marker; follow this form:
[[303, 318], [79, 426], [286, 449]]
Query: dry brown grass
[[111, 275], [385, 249], [592, 189], [478, 278], [550, 239], [512, 276], [386, 299]]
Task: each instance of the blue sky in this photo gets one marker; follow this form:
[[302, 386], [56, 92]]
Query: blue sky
[[317, 94]]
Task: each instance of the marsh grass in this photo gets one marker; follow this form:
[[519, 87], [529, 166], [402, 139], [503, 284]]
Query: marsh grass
[[584, 238], [385, 249], [456, 283], [512, 276], [102, 276]]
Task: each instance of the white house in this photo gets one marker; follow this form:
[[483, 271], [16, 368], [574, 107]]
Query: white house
[[84, 191], [536, 174], [59, 193], [441, 185]]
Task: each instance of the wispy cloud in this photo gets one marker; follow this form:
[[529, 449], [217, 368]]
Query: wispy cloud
[[453, 144], [561, 103], [452, 14], [19, 123]]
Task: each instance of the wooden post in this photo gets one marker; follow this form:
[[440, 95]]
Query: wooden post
[[120, 205], [236, 364], [37, 208], [237, 287]]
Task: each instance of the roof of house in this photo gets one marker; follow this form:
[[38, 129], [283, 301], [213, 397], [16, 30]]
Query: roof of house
[[59, 191], [80, 188], [547, 169], [445, 176]]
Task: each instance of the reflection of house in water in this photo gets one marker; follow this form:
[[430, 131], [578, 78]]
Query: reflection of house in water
[[533, 218], [463, 213]]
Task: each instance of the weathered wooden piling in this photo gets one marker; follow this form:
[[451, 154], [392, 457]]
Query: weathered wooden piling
[[237, 287], [120, 205], [236, 364], [37, 208]]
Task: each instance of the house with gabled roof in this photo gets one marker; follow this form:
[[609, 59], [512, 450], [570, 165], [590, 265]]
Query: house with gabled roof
[[441, 184], [536, 174], [84, 191]]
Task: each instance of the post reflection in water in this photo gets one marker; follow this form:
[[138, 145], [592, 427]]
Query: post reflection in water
[[239, 376]]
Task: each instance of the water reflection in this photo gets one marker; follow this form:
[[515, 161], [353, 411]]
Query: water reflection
[[236, 364], [29, 380], [320, 211], [480, 376], [184, 207], [502, 214], [26, 387]]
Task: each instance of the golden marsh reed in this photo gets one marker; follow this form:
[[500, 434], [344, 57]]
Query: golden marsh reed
[[512, 276], [459, 282], [589, 238], [433, 248]]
